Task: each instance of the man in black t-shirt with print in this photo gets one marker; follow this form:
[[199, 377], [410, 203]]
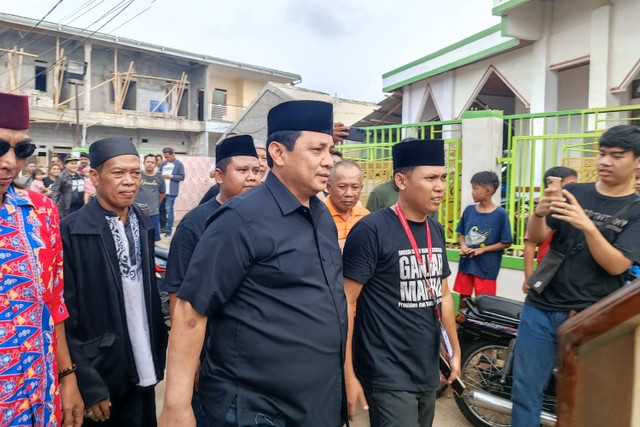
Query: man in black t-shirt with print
[[393, 342], [68, 188], [605, 217]]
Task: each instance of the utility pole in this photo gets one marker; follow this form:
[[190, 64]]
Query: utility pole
[[78, 137]]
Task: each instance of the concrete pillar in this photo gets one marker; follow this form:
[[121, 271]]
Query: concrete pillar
[[599, 63], [544, 90], [199, 144], [481, 148]]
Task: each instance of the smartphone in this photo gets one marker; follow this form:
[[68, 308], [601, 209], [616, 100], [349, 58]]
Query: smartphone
[[356, 134], [457, 385], [554, 184]]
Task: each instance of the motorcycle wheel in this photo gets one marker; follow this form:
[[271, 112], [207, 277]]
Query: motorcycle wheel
[[482, 364]]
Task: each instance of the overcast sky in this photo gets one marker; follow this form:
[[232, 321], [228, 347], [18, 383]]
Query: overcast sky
[[338, 46]]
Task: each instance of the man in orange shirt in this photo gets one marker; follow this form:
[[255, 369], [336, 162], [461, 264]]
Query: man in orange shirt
[[344, 188]]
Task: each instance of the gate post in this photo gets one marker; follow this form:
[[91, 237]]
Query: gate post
[[482, 141]]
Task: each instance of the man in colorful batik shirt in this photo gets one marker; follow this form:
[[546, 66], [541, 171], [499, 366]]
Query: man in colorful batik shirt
[[35, 367]]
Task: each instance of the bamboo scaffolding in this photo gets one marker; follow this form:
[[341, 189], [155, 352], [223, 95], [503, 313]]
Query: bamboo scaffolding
[[16, 55], [82, 93], [180, 92]]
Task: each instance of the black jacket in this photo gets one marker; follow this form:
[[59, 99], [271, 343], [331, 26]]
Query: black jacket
[[62, 192], [96, 329]]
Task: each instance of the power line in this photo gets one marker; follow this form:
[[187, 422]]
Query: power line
[[75, 12], [32, 28], [134, 17], [120, 5], [45, 34]]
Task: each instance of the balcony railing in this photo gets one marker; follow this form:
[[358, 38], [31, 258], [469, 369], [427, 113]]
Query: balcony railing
[[225, 113]]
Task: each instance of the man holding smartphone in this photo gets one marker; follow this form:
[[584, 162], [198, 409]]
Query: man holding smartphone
[[605, 217]]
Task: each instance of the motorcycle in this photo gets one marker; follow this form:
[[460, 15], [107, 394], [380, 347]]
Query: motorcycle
[[487, 330], [161, 256]]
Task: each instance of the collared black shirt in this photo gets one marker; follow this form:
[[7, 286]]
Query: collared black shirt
[[184, 242], [268, 273]]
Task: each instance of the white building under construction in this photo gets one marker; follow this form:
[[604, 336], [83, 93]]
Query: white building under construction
[[160, 97]]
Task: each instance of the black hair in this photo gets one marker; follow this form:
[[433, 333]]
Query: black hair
[[626, 137], [167, 150], [150, 155], [37, 171], [287, 138], [559, 171], [486, 178], [337, 153], [223, 164]]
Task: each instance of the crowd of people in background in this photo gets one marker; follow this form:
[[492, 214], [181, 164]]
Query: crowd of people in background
[[290, 302], [66, 181]]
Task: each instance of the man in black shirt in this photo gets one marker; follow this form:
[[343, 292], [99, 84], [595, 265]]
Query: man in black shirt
[[605, 218], [268, 274], [393, 342], [214, 190], [237, 170]]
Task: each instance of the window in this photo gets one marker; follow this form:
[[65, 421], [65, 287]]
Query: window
[[219, 97], [635, 89], [41, 76]]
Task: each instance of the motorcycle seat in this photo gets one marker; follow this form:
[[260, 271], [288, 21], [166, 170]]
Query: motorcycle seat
[[494, 306], [162, 253]]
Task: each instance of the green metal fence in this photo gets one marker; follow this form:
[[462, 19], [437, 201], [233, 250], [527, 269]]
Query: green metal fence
[[374, 156], [533, 143], [536, 142]]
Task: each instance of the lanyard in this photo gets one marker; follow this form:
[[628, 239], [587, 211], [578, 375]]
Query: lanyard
[[423, 269]]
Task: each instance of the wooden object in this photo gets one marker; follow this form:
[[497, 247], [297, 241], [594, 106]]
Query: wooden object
[[599, 363]]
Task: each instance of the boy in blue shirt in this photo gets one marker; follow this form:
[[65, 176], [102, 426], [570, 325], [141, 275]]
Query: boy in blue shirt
[[484, 232]]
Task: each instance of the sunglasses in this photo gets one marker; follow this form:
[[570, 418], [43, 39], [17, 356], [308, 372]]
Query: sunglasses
[[22, 149]]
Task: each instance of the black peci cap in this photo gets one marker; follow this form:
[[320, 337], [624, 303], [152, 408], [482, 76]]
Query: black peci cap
[[104, 149], [314, 116], [241, 145], [418, 152]]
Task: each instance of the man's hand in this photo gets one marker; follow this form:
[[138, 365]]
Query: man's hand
[[340, 132], [166, 176], [464, 250], [72, 403], [454, 362], [475, 251], [525, 287], [99, 411], [355, 396], [550, 195], [571, 212], [178, 417]]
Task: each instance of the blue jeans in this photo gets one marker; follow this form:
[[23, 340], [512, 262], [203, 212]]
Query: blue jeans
[[169, 201], [533, 364], [155, 220]]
